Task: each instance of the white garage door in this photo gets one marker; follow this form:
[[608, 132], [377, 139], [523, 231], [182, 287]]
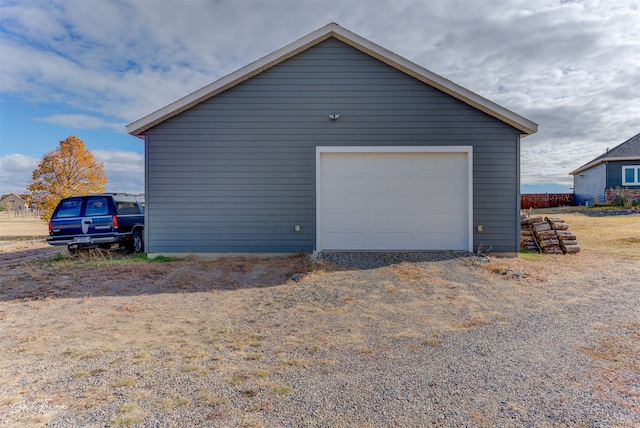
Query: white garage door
[[394, 198]]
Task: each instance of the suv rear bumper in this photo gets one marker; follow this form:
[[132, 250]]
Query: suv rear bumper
[[86, 240]]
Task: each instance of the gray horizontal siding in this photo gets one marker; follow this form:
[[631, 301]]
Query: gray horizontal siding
[[236, 173], [589, 185]]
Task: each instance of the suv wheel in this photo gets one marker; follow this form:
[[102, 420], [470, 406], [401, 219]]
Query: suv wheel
[[137, 244]]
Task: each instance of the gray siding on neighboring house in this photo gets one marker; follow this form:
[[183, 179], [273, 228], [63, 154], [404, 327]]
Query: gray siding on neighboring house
[[237, 172], [589, 185], [614, 174]]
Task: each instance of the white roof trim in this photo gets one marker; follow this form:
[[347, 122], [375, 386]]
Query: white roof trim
[[604, 160], [333, 30]]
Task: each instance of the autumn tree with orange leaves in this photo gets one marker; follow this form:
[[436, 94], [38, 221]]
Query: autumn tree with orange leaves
[[69, 170]]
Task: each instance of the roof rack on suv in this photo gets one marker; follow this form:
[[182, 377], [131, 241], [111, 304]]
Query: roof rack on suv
[[119, 193]]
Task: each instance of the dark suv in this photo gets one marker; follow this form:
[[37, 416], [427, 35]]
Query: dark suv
[[104, 220]]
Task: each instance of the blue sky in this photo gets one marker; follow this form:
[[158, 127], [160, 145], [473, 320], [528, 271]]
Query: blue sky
[[90, 67]]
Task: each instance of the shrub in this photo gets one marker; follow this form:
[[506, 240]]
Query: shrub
[[621, 200]]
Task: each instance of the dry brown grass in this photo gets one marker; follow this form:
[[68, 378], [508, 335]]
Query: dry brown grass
[[618, 356], [609, 235], [619, 351]]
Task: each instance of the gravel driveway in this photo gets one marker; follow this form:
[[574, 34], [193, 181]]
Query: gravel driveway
[[446, 340]]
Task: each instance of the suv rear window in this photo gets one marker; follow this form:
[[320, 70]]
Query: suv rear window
[[126, 207], [96, 206], [69, 208]]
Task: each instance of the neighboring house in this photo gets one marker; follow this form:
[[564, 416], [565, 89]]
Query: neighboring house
[[14, 204], [332, 143], [617, 169]]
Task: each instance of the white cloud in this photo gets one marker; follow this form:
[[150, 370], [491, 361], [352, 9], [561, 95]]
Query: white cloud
[[82, 121], [124, 170], [15, 172], [571, 66]]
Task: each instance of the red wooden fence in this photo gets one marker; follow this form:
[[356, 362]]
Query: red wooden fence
[[545, 200]]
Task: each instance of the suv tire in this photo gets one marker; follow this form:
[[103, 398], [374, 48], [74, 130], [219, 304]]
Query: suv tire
[[137, 244]]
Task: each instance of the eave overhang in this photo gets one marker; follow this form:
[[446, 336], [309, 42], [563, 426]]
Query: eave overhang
[[605, 160]]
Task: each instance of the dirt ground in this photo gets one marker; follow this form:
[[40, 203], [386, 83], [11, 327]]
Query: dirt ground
[[22, 239], [75, 329]]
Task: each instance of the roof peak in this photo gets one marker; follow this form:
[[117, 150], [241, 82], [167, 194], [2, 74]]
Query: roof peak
[[627, 150], [332, 29]]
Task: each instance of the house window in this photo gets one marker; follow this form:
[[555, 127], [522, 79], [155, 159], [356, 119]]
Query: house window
[[631, 175]]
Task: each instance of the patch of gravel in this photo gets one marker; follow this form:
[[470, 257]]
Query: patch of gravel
[[372, 260], [526, 374], [603, 213]]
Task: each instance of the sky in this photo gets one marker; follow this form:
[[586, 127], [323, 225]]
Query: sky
[[90, 67]]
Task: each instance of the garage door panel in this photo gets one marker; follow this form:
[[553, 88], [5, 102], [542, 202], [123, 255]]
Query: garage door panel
[[389, 184], [389, 203], [443, 204], [440, 203], [387, 164], [339, 163], [346, 201], [439, 240], [441, 163], [436, 220], [440, 184], [347, 240], [391, 240], [430, 184], [346, 184], [346, 218], [394, 201], [390, 219]]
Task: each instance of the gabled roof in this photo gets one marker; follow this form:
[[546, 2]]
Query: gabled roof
[[332, 30], [627, 151], [23, 198]]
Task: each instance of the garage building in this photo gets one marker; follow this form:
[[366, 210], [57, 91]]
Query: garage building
[[332, 143]]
